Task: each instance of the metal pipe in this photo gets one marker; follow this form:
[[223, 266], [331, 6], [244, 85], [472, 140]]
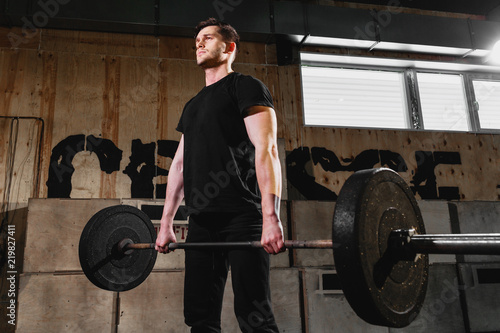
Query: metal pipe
[[38, 153]]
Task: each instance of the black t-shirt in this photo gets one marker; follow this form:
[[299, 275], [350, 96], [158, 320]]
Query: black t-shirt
[[219, 158]]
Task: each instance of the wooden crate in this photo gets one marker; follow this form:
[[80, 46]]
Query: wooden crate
[[63, 303], [53, 232]]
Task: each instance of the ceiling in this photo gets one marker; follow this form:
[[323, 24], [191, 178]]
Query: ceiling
[[269, 20], [475, 7]]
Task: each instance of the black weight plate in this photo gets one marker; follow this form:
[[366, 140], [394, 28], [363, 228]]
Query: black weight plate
[[102, 264], [381, 290]]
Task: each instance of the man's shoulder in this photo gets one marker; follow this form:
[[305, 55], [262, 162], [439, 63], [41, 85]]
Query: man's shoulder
[[241, 76], [246, 80]]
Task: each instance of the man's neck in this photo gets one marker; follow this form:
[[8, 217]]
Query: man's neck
[[214, 74]]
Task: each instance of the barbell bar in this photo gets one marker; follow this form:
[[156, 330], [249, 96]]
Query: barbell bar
[[379, 246], [404, 240], [408, 241], [127, 244]]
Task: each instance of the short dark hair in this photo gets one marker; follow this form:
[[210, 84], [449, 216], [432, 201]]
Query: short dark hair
[[228, 33]]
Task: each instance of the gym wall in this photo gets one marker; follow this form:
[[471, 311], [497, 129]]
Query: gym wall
[[89, 115]]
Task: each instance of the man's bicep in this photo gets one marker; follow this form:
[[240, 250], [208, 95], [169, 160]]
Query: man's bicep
[[261, 124]]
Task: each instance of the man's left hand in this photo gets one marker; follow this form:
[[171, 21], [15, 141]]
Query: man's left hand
[[272, 235]]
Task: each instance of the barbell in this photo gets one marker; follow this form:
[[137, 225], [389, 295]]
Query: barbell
[[379, 244]]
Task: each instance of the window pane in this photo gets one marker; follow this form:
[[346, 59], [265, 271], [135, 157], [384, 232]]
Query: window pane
[[354, 98], [442, 97], [488, 99]]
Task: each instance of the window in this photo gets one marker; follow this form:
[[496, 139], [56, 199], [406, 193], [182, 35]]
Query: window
[[443, 102], [345, 91], [487, 103], [350, 97]]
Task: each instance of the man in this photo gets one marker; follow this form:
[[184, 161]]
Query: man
[[227, 169]]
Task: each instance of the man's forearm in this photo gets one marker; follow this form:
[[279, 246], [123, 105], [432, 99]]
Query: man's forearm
[[269, 178], [173, 198], [174, 194], [268, 171]]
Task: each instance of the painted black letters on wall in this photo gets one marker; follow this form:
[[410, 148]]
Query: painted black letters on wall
[[142, 168]]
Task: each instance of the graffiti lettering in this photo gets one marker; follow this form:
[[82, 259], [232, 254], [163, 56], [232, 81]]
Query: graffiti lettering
[[424, 181], [61, 161], [142, 168]]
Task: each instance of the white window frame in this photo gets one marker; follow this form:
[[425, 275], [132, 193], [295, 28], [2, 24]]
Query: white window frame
[[399, 74], [463, 91], [472, 100], [411, 68]]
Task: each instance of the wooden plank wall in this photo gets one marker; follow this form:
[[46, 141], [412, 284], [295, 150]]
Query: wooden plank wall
[[111, 86], [128, 89]]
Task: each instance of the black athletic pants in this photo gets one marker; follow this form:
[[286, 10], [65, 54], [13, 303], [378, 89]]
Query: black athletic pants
[[206, 273]]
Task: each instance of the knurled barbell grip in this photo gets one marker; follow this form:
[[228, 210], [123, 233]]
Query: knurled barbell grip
[[290, 244]]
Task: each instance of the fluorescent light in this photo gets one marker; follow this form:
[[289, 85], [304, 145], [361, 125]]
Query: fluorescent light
[[390, 46], [494, 57], [479, 53], [455, 51], [339, 42], [321, 59]]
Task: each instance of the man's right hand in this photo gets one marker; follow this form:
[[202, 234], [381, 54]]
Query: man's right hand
[[165, 236]]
